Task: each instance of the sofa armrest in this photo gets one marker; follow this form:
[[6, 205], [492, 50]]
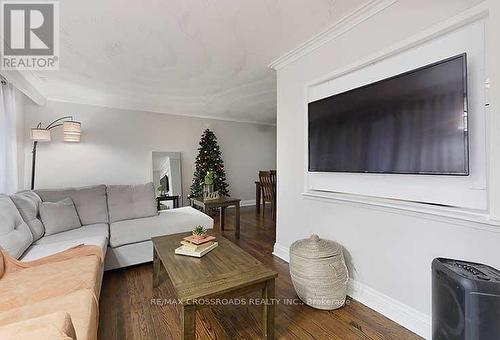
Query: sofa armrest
[[55, 326]]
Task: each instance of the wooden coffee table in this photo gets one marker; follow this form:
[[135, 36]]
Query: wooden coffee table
[[226, 272], [221, 203]]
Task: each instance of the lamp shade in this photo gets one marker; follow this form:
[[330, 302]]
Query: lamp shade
[[40, 135], [72, 131]]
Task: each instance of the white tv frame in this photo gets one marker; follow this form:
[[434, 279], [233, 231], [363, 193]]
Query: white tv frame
[[467, 193]]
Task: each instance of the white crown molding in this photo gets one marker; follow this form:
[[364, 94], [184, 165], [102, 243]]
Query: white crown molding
[[134, 107], [340, 27], [463, 18], [27, 83]]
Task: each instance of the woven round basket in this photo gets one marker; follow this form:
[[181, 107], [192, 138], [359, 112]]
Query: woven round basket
[[319, 273]]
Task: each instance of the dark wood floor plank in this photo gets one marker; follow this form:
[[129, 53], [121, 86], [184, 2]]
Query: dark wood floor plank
[[166, 317], [129, 307], [142, 325]]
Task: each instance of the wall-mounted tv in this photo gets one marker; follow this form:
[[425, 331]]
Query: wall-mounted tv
[[412, 123]]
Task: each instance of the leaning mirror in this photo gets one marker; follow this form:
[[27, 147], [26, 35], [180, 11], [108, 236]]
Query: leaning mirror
[[167, 179]]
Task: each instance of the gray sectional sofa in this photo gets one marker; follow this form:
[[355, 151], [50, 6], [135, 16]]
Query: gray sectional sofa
[[121, 219]]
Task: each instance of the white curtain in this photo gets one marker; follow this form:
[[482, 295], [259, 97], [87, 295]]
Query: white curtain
[[8, 144]]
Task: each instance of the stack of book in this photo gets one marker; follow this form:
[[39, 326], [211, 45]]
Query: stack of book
[[196, 247]]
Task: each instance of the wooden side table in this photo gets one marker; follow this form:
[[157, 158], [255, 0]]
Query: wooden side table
[[167, 198], [221, 203]]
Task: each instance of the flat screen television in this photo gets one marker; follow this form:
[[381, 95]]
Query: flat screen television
[[164, 183], [412, 123]]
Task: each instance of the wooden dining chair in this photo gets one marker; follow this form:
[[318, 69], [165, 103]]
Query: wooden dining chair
[[273, 177], [268, 186]]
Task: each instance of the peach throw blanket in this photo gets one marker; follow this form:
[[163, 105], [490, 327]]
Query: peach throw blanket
[[8, 264], [56, 326], [25, 283]]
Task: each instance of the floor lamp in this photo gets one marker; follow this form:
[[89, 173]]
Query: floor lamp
[[71, 129]]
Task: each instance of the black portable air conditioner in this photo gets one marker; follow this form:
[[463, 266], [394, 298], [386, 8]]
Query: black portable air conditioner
[[465, 301]]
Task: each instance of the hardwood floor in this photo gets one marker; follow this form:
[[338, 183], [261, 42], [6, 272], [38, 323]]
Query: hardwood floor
[[131, 309]]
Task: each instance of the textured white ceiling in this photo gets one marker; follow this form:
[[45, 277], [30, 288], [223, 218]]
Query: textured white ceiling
[[191, 57]]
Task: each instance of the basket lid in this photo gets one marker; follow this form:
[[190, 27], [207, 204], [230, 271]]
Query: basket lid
[[315, 248]]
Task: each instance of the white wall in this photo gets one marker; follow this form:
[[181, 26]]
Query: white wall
[[389, 249], [117, 146], [493, 58]]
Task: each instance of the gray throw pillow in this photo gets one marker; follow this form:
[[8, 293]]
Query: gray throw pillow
[[28, 202], [15, 235], [90, 202], [60, 216]]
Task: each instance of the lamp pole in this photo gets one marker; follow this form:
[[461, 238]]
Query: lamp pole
[[40, 134], [33, 161]]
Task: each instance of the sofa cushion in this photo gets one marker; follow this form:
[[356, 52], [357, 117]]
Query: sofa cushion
[[59, 216], [27, 203], [37, 251], [90, 202], [99, 229], [127, 202], [15, 235], [80, 305], [167, 222]]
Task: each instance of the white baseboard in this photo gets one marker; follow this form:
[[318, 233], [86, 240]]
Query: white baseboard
[[247, 203], [282, 252], [244, 203], [414, 320], [403, 314]]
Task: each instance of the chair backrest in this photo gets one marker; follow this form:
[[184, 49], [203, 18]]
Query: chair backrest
[[267, 185], [273, 176]]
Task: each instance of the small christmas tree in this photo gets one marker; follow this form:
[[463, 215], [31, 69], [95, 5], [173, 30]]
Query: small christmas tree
[[209, 158]]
